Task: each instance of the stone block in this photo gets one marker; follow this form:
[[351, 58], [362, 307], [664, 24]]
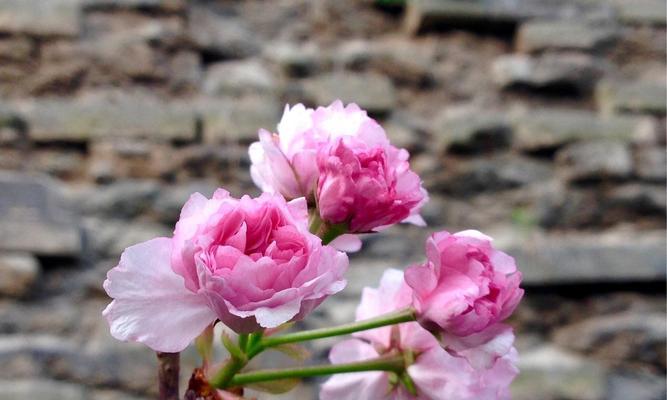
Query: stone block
[[612, 256], [235, 78], [103, 114], [42, 389], [40, 18], [18, 272], [651, 164], [547, 129], [639, 97], [596, 160], [421, 15], [641, 12], [578, 71], [535, 36], [372, 92], [35, 218], [238, 120], [220, 35]]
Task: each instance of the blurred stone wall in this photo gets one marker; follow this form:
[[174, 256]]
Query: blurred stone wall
[[540, 122]]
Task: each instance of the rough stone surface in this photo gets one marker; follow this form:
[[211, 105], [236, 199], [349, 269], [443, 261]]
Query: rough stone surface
[[596, 160], [632, 97], [17, 273], [372, 92], [239, 77], [40, 389], [131, 105], [551, 70], [40, 18], [221, 35], [610, 257], [35, 218], [541, 129], [652, 164], [535, 36], [97, 115], [555, 373]]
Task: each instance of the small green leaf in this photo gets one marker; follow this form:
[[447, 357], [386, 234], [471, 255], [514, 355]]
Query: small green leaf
[[233, 349], [275, 387], [294, 351]]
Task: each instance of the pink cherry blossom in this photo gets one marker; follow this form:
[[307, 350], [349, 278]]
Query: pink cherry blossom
[[250, 263], [466, 285], [437, 373], [300, 160], [367, 186]]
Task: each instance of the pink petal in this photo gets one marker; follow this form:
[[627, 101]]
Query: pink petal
[[347, 243], [353, 386], [151, 304]]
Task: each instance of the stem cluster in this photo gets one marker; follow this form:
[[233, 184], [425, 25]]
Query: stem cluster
[[249, 346]]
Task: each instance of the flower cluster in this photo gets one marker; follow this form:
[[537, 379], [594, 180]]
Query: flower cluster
[[254, 264]]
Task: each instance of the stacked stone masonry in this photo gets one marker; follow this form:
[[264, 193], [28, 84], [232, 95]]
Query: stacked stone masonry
[[540, 122]]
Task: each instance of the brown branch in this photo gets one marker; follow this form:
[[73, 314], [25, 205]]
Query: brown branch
[[168, 375]]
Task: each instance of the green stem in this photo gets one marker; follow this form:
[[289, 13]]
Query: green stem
[[315, 222], [225, 374], [393, 363], [397, 317], [243, 341]]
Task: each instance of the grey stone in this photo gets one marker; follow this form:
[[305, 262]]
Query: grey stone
[[643, 198], [635, 385], [185, 70], [110, 237], [126, 199], [229, 121], [166, 5], [641, 12], [108, 113], [468, 131], [534, 36], [16, 49], [579, 71], [56, 316], [421, 15], [547, 129], [612, 256], [235, 78], [495, 173], [371, 91], [129, 54], [220, 35], [41, 389], [558, 374], [35, 218], [403, 60], [632, 97], [168, 204], [592, 160], [29, 355], [622, 337], [18, 272], [40, 18], [651, 164], [296, 60]]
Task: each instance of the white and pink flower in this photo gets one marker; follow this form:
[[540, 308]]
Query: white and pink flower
[[250, 263], [437, 373]]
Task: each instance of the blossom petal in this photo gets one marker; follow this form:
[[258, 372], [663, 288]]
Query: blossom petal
[[151, 303]]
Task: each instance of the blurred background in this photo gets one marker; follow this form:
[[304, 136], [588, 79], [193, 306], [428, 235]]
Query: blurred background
[[539, 122]]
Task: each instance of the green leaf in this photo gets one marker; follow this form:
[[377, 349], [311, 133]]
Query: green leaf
[[275, 387], [233, 349], [294, 351]]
